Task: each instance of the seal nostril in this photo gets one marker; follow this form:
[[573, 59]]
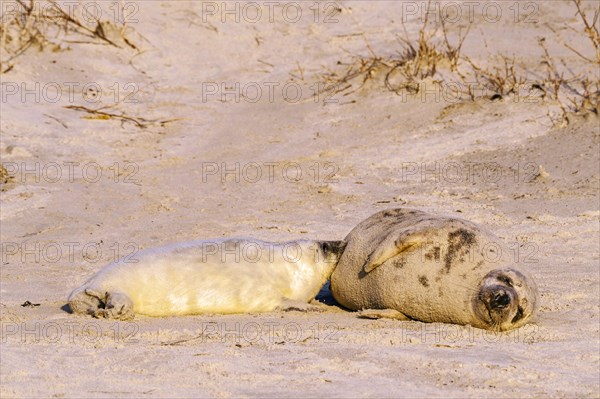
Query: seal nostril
[[500, 300]]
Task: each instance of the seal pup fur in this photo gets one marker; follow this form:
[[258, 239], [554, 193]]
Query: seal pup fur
[[210, 276], [408, 264]]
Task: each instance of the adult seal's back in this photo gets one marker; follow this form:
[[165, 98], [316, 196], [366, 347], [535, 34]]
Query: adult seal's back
[[409, 264]]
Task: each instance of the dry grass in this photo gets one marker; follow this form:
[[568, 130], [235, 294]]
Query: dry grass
[[417, 60], [573, 95], [4, 175], [582, 95], [501, 80], [44, 24], [591, 29], [104, 114], [425, 57]]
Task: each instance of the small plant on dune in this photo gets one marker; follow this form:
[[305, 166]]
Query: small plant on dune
[[591, 29], [44, 24], [501, 80], [361, 67], [40, 24], [18, 32], [575, 94], [425, 58], [586, 97], [417, 60]]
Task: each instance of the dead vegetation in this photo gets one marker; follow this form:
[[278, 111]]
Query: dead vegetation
[[591, 30], [573, 95], [416, 61], [500, 81], [103, 114], [431, 58], [421, 61], [5, 177], [45, 24]]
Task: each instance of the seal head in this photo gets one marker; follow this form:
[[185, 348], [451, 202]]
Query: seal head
[[506, 299]]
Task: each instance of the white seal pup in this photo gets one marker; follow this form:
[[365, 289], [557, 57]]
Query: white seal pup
[[212, 276], [408, 264]]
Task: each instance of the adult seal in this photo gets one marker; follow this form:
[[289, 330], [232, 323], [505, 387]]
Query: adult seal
[[212, 276], [408, 264]]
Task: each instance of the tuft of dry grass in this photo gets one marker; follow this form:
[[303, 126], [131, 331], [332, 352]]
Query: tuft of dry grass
[[5, 177], [501, 80], [574, 95], [42, 24], [590, 28], [425, 58], [364, 68], [417, 60]]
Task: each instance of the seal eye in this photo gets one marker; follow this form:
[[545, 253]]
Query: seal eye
[[506, 280], [518, 316], [325, 247]]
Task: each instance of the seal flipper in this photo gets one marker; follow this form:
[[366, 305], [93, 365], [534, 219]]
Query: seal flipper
[[394, 244], [117, 306], [85, 301], [382, 314]]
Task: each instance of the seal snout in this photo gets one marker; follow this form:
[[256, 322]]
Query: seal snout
[[499, 300]]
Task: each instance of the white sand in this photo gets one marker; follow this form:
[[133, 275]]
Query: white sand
[[377, 144]]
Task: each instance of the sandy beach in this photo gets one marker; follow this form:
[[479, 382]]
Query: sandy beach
[[154, 122]]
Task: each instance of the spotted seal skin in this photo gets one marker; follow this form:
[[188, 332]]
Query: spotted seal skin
[[212, 276], [409, 264]]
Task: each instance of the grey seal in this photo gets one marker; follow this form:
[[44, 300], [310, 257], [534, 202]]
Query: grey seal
[[409, 264], [209, 276]]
